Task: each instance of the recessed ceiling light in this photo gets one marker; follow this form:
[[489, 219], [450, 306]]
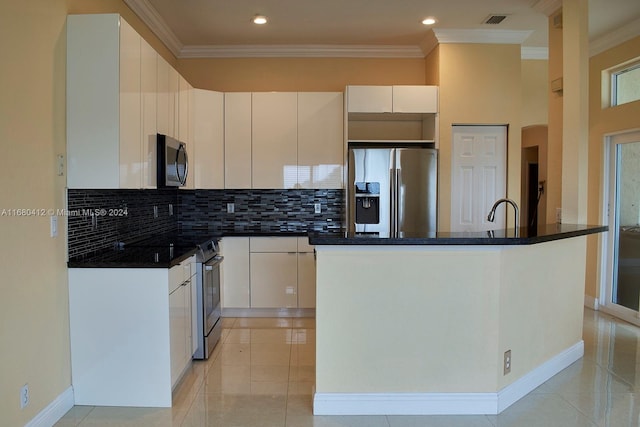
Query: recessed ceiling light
[[259, 19], [429, 20]]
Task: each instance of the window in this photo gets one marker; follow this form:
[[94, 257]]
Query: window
[[625, 85]]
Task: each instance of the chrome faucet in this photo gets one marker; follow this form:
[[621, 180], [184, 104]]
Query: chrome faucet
[[492, 214]]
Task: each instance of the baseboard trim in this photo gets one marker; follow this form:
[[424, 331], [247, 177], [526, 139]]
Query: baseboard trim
[[444, 403], [591, 302], [268, 312], [54, 410]]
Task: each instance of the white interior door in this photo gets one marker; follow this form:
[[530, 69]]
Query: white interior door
[[478, 177]]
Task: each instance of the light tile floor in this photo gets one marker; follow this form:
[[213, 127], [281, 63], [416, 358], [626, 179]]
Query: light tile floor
[[262, 374]]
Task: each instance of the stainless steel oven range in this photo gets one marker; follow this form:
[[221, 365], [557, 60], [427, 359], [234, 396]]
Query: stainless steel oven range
[[208, 310]]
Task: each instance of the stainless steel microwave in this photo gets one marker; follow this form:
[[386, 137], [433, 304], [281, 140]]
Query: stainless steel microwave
[[173, 163]]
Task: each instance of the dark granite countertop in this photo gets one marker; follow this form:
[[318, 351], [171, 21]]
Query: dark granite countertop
[[161, 251], [496, 237]]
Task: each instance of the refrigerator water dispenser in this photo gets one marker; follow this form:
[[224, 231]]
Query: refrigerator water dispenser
[[367, 202]]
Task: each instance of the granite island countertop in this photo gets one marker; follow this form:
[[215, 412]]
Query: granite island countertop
[[524, 236]]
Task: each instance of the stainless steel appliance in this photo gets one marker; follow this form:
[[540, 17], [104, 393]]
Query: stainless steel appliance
[[392, 189], [173, 163], [208, 312]]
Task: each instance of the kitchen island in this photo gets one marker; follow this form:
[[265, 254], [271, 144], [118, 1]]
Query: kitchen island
[[445, 323]]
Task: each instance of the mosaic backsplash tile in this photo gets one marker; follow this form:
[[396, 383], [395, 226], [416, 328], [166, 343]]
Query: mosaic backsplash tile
[[260, 211], [100, 218]]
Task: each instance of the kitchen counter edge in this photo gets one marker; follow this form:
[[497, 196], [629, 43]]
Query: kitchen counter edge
[[495, 237]]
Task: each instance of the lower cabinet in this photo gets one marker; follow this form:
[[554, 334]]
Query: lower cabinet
[[180, 318], [130, 332], [268, 272]]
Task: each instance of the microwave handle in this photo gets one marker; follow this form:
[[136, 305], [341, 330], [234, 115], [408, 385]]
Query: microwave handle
[[182, 150]]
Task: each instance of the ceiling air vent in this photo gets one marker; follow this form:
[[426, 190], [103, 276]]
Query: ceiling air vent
[[495, 19]]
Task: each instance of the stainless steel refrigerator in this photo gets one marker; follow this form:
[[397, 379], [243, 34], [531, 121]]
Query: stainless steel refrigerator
[[392, 190]]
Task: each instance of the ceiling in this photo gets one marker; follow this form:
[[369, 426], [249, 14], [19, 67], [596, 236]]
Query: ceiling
[[192, 28]]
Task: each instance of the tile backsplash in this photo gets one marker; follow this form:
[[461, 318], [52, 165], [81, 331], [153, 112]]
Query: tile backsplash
[[260, 211], [100, 218]]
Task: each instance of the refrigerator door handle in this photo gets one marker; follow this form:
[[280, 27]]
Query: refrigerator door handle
[[393, 205]]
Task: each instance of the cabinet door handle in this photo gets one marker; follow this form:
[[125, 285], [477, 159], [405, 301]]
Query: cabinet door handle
[[186, 282]]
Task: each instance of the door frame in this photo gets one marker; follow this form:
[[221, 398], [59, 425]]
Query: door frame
[[608, 217]]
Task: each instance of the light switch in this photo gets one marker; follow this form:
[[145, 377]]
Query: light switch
[[54, 225], [231, 207], [317, 208]]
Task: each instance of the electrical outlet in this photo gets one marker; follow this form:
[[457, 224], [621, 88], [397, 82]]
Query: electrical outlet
[[231, 207], [507, 362], [559, 215], [155, 212], [170, 209], [24, 396], [317, 208]]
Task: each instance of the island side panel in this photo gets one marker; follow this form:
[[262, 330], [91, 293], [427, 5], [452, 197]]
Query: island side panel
[[416, 319], [541, 303]]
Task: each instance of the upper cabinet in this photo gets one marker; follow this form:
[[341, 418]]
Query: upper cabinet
[[392, 113], [274, 137], [120, 94], [149, 89], [320, 139], [392, 99], [280, 140], [104, 136], [237, 140], [208, 137]]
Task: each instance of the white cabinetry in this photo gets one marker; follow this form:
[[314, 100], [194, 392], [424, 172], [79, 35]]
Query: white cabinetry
[[235, 272], [415, 99], [320, 139], [130, 332], [149, 88], [180, 317], [237, 140], [104, 135], [274, 140], [208, 137], [273, 266], [120, 94], [410, 114], [392, 99], [283, 140], [369, 99], [267, 273]]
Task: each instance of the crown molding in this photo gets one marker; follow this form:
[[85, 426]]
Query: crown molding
[[548, 7], [481, 36], [300, 51], [150, 16], [614, 38], [527, 52]]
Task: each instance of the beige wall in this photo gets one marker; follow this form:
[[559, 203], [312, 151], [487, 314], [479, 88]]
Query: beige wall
[[34, 330], [602, 122], [535, 86], [479, 84], [298, 74]]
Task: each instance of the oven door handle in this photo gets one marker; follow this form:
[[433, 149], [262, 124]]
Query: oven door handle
[[208, 266]]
